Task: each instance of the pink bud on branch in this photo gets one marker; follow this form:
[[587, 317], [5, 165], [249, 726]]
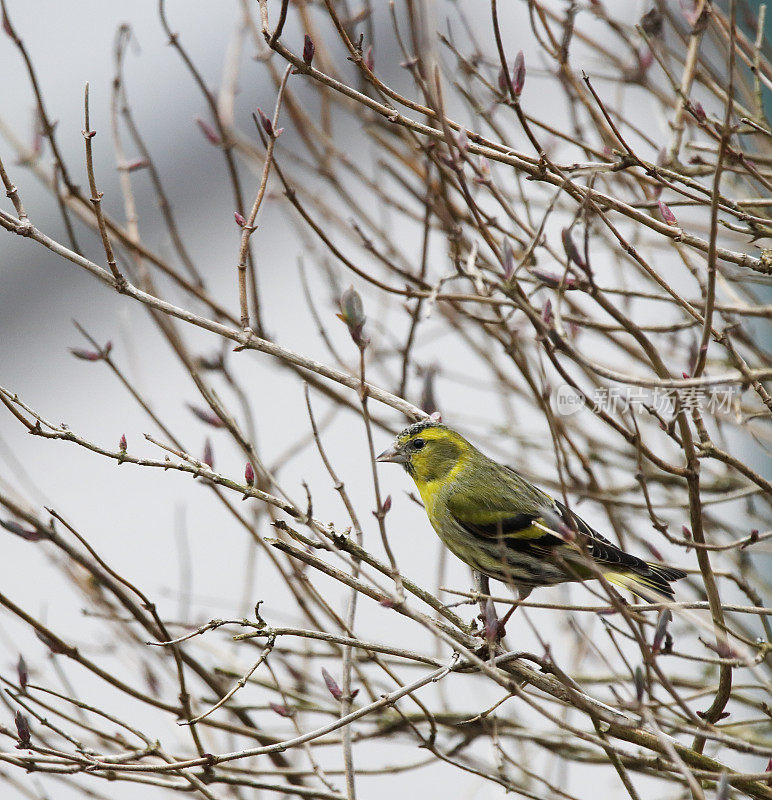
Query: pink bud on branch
[[660, 632], [752, 539], [654, 551], [206, 416], [667, 215], [503, 80], [22, 673], [571, 250], [208, 456], [308, 50], [546, 313], [86, 355], [28, 534], [553, 280], [352, 313], [265, 122], [22, 730], [279, 708], [462, 141], [518, 81], [133, 166], [722, 648], [92, 355], [333, 687], [640, 684], [483, 171], [208, 131], [428, 400], [249, 474]]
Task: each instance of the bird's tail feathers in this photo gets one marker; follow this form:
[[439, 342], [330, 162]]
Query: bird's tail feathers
[[651, 585]]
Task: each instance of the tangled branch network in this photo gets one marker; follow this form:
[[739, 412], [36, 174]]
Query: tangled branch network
[[546, 224]]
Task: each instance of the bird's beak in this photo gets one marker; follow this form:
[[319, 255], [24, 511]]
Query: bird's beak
[[394, 455]]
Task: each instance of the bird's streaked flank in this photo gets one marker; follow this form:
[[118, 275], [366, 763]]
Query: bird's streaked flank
[[504, 527]]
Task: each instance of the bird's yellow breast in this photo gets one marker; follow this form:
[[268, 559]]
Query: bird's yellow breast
[[431, 491]]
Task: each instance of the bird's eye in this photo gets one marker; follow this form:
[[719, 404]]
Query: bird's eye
[[418, 444]]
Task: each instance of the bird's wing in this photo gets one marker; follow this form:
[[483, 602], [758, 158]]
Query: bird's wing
[[599, 548], [525, 518], [511, 510], [518, 531], [508, 510]]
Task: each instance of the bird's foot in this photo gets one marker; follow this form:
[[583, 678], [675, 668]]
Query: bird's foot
[[487, 651], [491, 630]]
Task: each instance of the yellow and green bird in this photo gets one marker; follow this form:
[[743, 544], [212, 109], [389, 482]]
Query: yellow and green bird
[[505, 528]]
